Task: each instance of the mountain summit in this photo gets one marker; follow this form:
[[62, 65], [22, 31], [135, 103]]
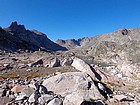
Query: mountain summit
[[16, 37]]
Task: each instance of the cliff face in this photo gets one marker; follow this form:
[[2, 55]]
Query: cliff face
[[18, 37]]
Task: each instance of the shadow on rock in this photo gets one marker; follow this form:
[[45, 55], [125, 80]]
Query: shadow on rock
[[96, 74], [93, 103], [103, 89]]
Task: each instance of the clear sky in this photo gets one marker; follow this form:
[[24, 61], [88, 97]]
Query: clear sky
[[66, 19]]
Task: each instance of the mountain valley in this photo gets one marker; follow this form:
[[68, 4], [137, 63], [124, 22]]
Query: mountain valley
[[99, 70]]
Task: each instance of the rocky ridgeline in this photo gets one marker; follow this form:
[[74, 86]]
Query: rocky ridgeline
[[102, 70], [73, 43], [113, 48], [17, 37], [86, 85]]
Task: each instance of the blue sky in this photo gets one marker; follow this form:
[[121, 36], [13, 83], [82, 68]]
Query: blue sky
[[66, 19]]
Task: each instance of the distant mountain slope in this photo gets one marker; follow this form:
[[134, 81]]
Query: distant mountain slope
[[112, 48], [73, 43], [17, 37], [69, 44]]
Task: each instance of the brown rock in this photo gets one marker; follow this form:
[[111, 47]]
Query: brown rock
[[18, 88], [5, 100]]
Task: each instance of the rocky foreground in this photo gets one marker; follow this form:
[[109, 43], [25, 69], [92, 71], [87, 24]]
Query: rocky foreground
[[62, 78]]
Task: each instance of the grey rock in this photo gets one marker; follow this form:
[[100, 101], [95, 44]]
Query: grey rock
[[6, 65], [120, 75], [134, 103], [37, 62], [29, 69], [27, 91], [32, 86], [56, 73], [20, 96], [1, 91], [45, 98], [21, 66], [4, 92], [43, 89], [55, 101], [102, 87], [73, 99], [8, 92], [120, 97], [67, 62], [73, 82], [53, 62], [12, 96], [82, 66], [33, 98]]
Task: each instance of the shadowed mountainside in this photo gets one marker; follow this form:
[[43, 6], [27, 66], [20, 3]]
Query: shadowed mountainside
[[17, 37]]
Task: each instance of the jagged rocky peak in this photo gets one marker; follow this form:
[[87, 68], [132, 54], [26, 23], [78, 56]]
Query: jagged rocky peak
[[17, 37], [13, 24], [15, 27], [73, 43]]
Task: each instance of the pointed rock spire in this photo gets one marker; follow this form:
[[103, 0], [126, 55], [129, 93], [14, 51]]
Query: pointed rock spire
[[15, 27], [13, 24]]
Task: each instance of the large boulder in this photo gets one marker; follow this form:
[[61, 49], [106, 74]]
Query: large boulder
[[67, 61], [37, 62], [28, 91], [76, 83], [80, 65], [76, 99], [51, 62], [55, 101], [45, 98], [97, 75], [34, 97]]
